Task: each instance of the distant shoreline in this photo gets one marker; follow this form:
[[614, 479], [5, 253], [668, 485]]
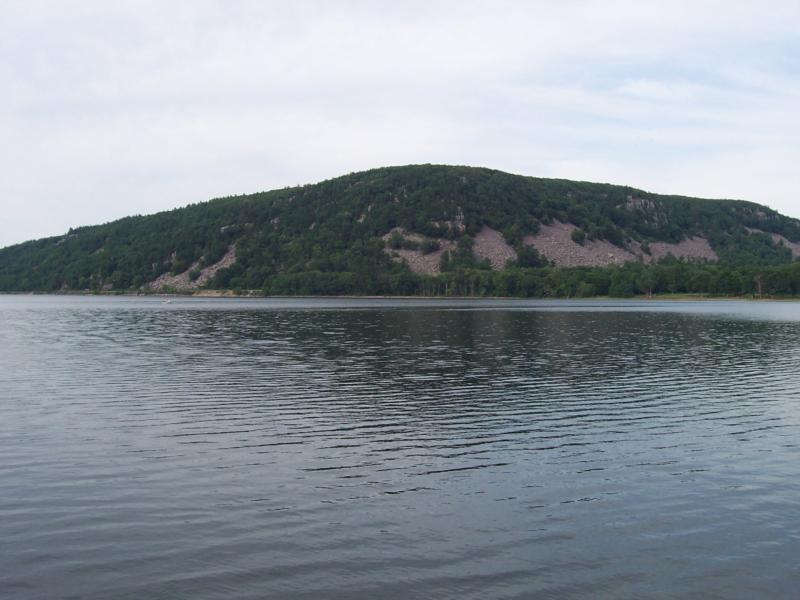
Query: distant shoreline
[[253, 294]]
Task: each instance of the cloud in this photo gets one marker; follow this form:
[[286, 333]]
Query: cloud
[[121, 108]]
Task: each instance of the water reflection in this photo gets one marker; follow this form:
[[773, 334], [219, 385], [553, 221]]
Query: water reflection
[[348, 450]]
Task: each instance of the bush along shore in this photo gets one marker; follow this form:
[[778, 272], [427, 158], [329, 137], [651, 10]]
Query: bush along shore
[[550, 282], [673, 279]]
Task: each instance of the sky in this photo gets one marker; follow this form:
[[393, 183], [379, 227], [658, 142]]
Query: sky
[[109, 109]]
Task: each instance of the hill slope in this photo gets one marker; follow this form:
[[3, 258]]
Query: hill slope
[[386, 230]]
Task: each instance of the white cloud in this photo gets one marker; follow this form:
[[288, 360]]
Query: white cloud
[[110, 109]]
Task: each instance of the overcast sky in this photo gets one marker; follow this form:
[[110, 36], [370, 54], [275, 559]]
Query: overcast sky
[[115, 108]]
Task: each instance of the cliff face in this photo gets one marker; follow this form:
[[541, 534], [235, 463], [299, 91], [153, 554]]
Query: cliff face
[[397, 222]]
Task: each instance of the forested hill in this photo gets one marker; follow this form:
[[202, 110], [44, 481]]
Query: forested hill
[[418, 229]]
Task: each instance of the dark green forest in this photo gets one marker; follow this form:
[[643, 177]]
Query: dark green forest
[[668, 277], [326, 238]]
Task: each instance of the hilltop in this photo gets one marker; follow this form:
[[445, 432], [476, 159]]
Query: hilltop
[[416, 229]]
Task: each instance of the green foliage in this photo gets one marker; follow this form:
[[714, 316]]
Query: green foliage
[[622, 284], [327, 238], [529, 257], [395, 241], [619, 282], [578, 236], [429, 246]]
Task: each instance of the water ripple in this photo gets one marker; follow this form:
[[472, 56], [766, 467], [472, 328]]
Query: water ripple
[[312, 448]]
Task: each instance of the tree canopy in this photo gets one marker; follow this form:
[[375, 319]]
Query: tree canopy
[[327, 238]]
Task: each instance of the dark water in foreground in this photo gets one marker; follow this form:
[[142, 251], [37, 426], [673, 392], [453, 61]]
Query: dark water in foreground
[[398, 449]]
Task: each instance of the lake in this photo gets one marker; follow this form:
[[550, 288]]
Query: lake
[[318, 448]]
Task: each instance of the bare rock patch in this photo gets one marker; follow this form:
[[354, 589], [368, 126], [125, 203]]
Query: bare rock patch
[[777, 238], [555, 243], [417, 261], [490, 245], [183, 281], [793, 246], [694, 248]]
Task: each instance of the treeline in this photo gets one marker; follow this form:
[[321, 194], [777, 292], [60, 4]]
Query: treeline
[[671, 277], [332, 231]]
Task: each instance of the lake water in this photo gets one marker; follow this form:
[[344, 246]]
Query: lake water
[[233, 448]]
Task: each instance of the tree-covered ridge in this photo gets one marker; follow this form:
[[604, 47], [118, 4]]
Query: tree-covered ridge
[[333, 230]]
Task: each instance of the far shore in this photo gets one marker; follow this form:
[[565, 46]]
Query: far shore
[[251, 294]]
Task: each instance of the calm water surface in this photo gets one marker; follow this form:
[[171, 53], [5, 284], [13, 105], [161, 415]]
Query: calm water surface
[[398, 449]]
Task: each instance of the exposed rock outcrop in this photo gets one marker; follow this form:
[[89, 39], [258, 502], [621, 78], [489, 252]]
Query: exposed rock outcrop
[[793, 246], [777, 238], [555, 243], [183, 281], [695, 248], [490, 245], [418, 261]]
